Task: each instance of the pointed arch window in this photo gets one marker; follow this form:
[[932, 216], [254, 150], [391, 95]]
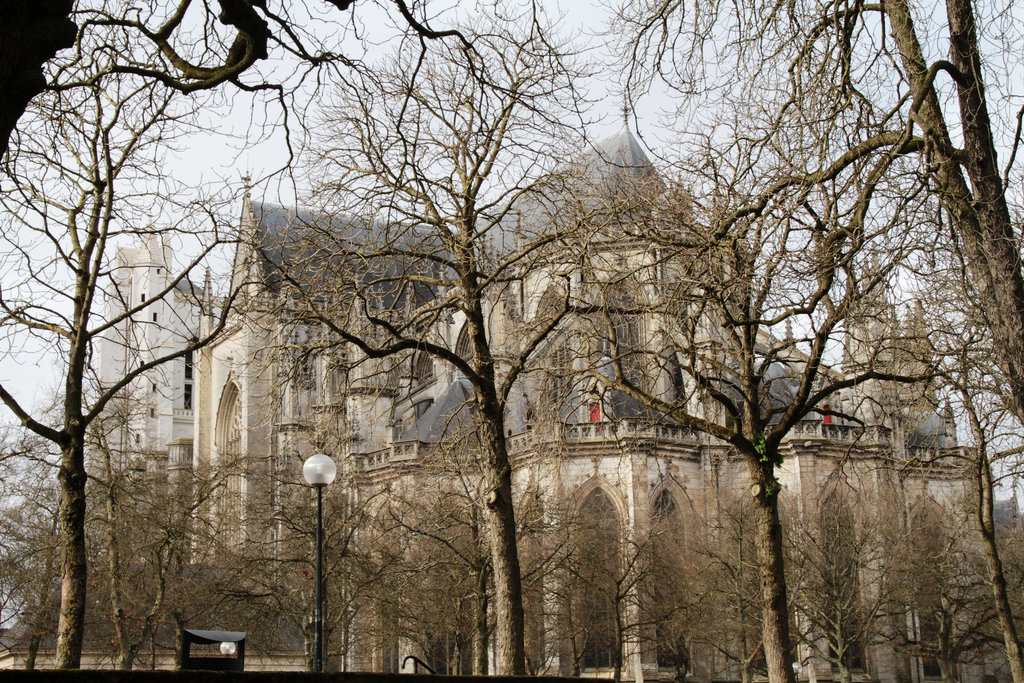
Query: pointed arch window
[[422, 369], [228, 436], [551, 303], [668, 560], [664, 505], [599, 577], [464, 344], [228, 442]]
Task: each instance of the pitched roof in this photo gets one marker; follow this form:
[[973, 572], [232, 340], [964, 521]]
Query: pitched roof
[[453, 409], [616, 161], [335, 252]]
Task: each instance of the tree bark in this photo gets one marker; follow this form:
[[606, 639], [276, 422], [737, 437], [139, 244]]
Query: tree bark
[[981, 218], [33, 651], [480, 603], [746, 674], [501, 530], [947, 664], [510, 632], [997, 578], [71, 624], [620, 642], [778, 652]]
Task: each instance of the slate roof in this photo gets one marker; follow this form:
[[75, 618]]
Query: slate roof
[[613, 166], [452, 410], [616, 159], [323, 252], [931, 433]]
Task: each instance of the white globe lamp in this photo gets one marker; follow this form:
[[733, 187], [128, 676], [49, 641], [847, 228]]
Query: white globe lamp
[[319, 470]]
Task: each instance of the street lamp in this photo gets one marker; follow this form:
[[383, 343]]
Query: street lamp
[[319, 471]]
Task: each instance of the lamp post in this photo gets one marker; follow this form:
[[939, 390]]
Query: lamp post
[[319, 471]]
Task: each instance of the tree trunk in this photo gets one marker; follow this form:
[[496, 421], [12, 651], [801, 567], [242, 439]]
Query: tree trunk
[[987, 528], [746, 674], [480, 625], [125, 654], [620, 641], [33, 651], [179, 643], [501, 530], [778, 652], [947, 665], [71, 624], [981, 218]]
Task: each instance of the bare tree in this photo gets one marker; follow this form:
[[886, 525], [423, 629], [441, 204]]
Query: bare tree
[[761, 290], [29, 553], [841, 574], [676, 594], [972, 386], [74, 194], [438, 164], [620, 590], [818, 84], [735, 629], [446, 591], [267, 576], [598, 585], [143, 527], [940, 580]]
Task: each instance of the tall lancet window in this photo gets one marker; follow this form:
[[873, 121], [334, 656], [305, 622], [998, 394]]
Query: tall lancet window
[[228, 442], [598, 549]]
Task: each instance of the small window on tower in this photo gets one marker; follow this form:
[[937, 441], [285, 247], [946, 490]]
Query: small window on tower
[[188, 365], [142, 298], [154, 317], [187, 398], [595, 411], [152, 412]]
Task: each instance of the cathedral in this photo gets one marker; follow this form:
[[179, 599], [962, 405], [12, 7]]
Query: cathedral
[[610, 483]]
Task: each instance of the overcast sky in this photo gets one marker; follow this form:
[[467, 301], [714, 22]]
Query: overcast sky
[[243, 140]]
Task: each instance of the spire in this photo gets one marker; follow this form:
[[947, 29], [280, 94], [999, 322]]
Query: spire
[[246, 195], [207, 292]]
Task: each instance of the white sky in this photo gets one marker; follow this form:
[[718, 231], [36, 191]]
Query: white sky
[[241, 139], [244, 141]]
